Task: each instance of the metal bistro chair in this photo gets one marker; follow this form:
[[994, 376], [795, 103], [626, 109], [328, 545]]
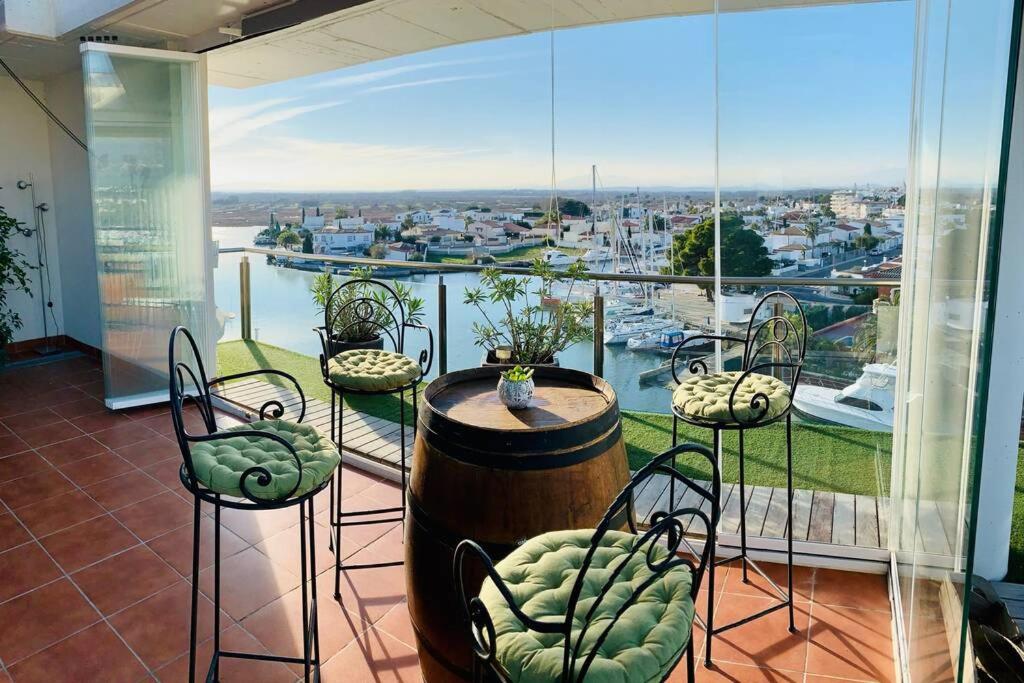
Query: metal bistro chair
[[266, 465], [373, 308], [753, 396], [604, 603]]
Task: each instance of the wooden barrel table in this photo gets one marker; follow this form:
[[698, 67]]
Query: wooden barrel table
[[500, 477]]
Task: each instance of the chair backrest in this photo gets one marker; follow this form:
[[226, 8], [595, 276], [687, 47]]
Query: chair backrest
[[188, 384], [666, 532], [774, 337], [362, 309]]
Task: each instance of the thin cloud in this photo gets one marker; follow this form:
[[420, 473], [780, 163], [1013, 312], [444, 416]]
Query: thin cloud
[[384, 74], [222, 117], [239, 129], [429, 81]]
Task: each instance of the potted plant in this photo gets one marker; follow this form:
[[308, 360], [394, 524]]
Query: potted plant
[[534, 334], [515, 387], [360, 325], [14, 277]]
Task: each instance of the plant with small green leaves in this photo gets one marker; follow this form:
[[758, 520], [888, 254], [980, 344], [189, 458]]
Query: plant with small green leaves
[[535, 333], [518, 374], [348, 324], [14, 270]]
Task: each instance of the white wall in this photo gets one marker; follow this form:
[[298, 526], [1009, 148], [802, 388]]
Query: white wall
[[73, 204], [25, 145]]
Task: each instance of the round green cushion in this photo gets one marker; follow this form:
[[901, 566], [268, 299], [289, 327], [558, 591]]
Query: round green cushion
[[643, 645], [372, 370], [219, 464], [706, 397]]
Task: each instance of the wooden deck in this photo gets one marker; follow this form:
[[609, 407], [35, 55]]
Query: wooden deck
[[818, 516], [369, 437], [1013, 595]]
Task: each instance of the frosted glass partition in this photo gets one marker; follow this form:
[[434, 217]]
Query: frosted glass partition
[[956, 142], [146, 131]]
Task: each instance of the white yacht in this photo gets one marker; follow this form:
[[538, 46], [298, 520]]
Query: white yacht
[[866, 404], [620, 331], [555, 257], [664, 341], [597, 255]]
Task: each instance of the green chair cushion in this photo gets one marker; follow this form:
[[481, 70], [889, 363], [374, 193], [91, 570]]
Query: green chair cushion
[[706, 397], [219, 463], [643, 645], [372, 370]]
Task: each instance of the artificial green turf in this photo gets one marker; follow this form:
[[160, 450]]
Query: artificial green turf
[[1016, 568], [825, 458]]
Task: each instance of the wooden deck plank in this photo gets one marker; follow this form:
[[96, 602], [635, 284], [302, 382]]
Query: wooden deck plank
[[757, 508], [883, 521], [820, 528], [802, 499], [933, 536], [731, 509], [775, 520], [844, 519], [647, 495], [866, 527]]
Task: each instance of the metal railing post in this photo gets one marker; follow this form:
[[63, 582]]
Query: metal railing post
[[598, 332], [245, 294], [777, 312], [442, 326]]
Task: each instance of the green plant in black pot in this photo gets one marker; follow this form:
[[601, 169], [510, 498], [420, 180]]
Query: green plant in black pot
[[14, 271], [545, 326], [361, 311]]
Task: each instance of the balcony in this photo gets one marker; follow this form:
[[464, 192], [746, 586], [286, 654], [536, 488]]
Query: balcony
[[96, 559]]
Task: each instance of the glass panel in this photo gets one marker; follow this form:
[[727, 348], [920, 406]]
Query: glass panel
[[811, 184], [962, 57], [147, 156]]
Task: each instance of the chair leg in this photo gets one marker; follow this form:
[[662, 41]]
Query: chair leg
[[789, 517], [690, 674], [195, 592], [305, 593], [743, 511], [312, 574], [337, 510], [216, 588], [330, 503], [712, 557]]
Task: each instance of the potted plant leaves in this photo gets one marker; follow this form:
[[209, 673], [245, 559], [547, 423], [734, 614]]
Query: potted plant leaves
[[14, 270], [360, 312], [528, 331], [515, 387]]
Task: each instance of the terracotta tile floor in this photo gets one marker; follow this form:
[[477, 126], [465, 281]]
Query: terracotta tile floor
[[95, 544]]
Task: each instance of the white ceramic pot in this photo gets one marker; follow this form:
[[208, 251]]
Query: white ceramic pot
[[515, 395]]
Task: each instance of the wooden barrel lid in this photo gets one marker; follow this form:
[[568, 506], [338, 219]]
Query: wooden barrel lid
[[571, 415]]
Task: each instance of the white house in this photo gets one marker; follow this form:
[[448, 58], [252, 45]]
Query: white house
[[419, 217], [313, 222], [400, 251], [350, 223], [334, 240]]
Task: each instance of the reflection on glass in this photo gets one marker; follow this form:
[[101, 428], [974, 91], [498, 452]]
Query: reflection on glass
[[147, 161], [958, 113]]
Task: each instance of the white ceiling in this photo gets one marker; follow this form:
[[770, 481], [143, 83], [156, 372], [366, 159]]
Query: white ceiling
[[388, 28]]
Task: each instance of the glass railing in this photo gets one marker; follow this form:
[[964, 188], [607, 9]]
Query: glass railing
[[843, 403]]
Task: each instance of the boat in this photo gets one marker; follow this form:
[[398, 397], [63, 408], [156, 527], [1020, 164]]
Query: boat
[[664, 341], [555, 257], [868, 403], [620, 331], [597, 255], [620, 309]]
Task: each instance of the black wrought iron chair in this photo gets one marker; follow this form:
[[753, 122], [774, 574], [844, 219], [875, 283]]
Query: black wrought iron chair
[[760, 393], [269, 464], [367, 309], [566, 604]]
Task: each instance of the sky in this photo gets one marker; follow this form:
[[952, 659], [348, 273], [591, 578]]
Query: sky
[[809, 97]]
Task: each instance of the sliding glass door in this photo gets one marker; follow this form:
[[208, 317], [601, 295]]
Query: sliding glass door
[[148, 156], [957, 137]]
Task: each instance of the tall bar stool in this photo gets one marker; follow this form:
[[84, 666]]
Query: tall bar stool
[[370, 308], [266, 465], [754, 396]]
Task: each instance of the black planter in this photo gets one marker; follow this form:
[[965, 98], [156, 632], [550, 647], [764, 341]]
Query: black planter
[[339, 345], [489, 360]]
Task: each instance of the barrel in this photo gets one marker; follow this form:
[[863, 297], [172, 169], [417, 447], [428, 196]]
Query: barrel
[[499, 477]]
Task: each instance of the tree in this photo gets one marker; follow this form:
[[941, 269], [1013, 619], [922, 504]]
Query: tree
[[867, 230], [307, 243], [573, 207], [743, 251], [289, 238], [812, 230], [381, 233], [408, 224], [378, 251]]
